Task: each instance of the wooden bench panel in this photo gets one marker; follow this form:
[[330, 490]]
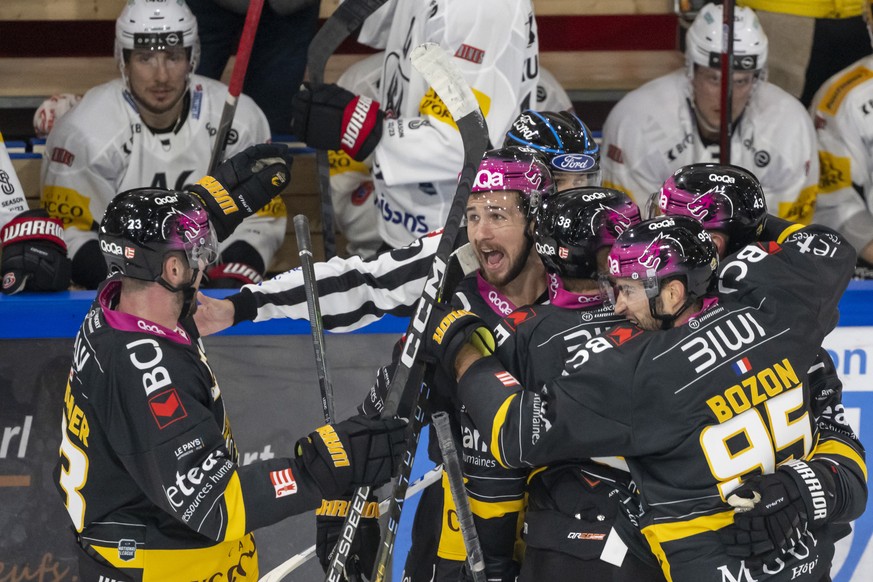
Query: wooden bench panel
[[109, 9]]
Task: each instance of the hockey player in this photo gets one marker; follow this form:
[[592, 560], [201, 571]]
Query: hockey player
[[510, 185], [574, 508], [841, 112], [155, 126], [674, 120], [735, 214], [415, 142], [33, 253], [694, 387], [148, 467]]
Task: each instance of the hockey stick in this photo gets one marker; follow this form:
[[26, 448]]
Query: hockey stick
[[240, 66], [347, 18], [452, 463], [442, 74], [282, 570], [727, 81], [316, 326]]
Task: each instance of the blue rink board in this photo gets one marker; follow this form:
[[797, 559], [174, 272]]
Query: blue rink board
[[58, 315], [53, 315]]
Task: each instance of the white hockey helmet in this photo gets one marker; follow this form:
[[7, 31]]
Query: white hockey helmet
[[703, 42], [156, 24]]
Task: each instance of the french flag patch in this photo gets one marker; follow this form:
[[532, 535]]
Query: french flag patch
[[507, 379], [742, 366], [283, 483]]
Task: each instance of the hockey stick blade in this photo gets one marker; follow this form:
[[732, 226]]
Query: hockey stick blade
[[443, 75], [347, 18]]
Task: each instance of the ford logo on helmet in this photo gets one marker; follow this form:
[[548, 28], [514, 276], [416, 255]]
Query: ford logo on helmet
[[573, 163]]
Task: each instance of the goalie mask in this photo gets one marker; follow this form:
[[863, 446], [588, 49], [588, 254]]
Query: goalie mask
[[155, 25], [572, 227], [722, 197], [142, 226], [563, 141]]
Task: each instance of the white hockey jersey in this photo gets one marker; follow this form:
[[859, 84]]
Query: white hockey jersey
[[12, 200], [419, 157], [102, 148], [843, 111], [652, 132]]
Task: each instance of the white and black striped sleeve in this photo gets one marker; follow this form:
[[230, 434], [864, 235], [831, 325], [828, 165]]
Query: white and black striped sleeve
[[352, 292]]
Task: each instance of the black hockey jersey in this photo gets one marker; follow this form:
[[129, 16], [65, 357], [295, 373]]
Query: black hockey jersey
[[148, 467], [696, 408]]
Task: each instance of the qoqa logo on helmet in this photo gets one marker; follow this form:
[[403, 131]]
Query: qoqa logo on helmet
[[662, 224], [594, 196], [488, 179], [110, 247], [545, 249], [167, 199], [725, 179]]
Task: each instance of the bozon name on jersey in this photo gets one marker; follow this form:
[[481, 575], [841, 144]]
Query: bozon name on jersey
[[754, 390]]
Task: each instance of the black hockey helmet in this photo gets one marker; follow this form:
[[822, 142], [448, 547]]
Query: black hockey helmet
[[572, 226], [721, 197], [141, 226], [663, 248], [519, 169], [562, 139]]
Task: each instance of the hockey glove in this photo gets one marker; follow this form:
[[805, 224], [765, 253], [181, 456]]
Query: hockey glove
[[243, 184], [327, 117], [239, 264], [451, 331], [355, 452], [51, 110], [34, 254], [773, 510], [329, 520], [231, 276]]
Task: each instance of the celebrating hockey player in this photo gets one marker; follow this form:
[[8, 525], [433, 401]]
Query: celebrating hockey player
[[413, 138], [675, 412], [155, 126], [844, 129], [148, 467], [510, 186], [735, 214], [674, 120], [575, 509]]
